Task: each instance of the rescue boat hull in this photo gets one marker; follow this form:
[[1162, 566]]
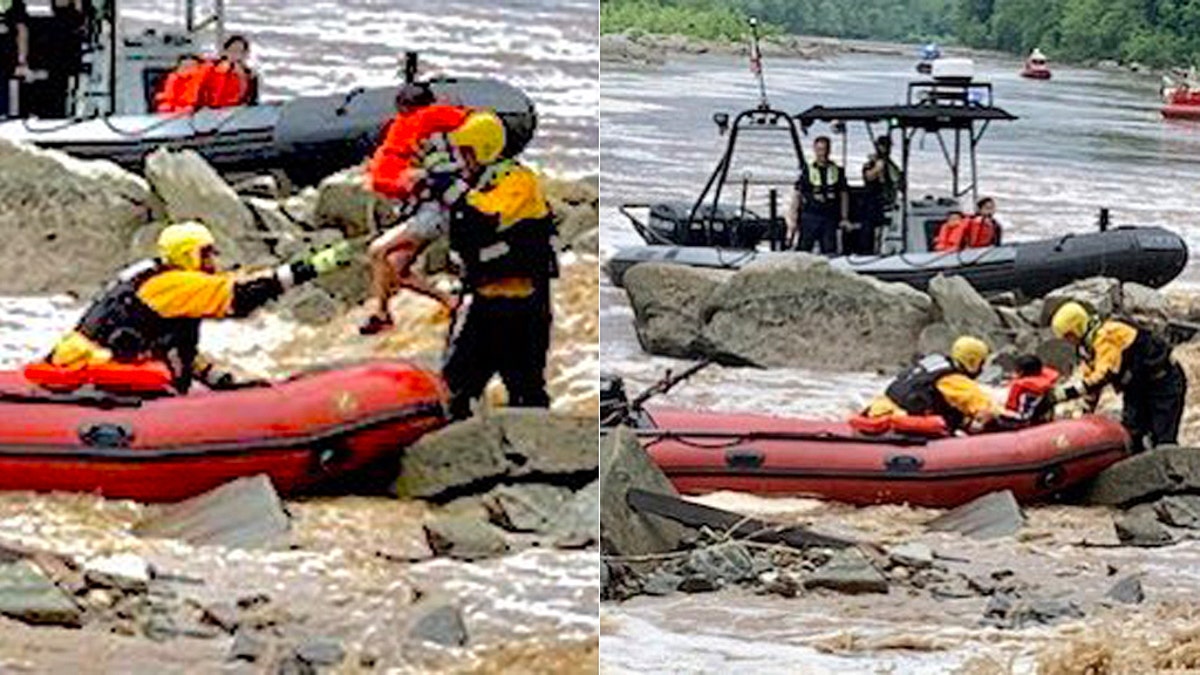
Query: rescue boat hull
[[1181, 111], [1150, 256], [705, 452], [307, 138], [307, 433], [1036, 73]]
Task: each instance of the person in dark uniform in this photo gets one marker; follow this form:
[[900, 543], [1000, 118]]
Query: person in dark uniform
[[882, 179], [501, 227], [820, 204], [1135, 362], [14, 51]]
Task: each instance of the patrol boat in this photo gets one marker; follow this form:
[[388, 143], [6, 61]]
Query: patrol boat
[[734, 223], [102, 106]]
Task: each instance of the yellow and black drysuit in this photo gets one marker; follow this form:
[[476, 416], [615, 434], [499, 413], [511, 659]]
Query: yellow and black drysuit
[[503, 230], [935, 386], [153, 310], [1137, 364]]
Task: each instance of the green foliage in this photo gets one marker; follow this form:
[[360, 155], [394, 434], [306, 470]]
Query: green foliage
[[1154, 32], [709, 20]]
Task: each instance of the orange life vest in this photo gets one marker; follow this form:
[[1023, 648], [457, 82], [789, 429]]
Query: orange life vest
[[224, 86], [181, 90], [1026, 392], [391, 169], [144, 377], [969, 232], [929, 426]]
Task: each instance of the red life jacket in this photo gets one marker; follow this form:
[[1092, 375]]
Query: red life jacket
[[1026, 392], [181, 90], [927, 426], [224, 86], [391, 169], [970, 232], [143, 377]]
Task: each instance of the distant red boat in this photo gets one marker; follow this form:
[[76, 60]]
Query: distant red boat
[[703, 452], [304, 433], [1036, 67], [1181, 103]]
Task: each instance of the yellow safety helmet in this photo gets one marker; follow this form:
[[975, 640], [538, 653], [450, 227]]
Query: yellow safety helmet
[[179, 245], [969, 353], [1071, 320], [483, 132]]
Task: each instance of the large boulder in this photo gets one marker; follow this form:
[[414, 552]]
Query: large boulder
[[1101, 294], [1146, 477], [66, 224], [624, 464], [576, 205], [344, 202], [510, 443], [801, 312], [191, 189], [667, 302], [965, 311]]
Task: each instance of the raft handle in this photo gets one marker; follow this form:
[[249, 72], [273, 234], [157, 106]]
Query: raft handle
[[744, 458], [106, 435], [903, 464]]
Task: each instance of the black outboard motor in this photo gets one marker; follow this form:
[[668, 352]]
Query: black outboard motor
[[614, 404]]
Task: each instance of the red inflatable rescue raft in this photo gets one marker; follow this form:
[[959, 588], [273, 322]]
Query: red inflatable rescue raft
[[704, 452], [303, 433]]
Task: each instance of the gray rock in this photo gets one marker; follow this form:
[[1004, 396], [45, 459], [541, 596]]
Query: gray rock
[[912, 554], [223, 615], [452, 457], [538, 442], [1146, 476], [587, 242], [698, 583], [528, 507], [1058, 354], [464, 538], [126, 572], [440, 624], [801, 312], [995, 514], [1101, 294], [935, 338], [724, 563], [1140, 527], [509, 443], [243, 513], [345, 203], [1179, 511], [576, 207], [66, 223], [321, 652], [1144, 302], [667, 302], [848, 571], [1031, 313], [310, 305], [661, 583], [964, 310], [620, 48], [27, 595], [579, 524], [1128, 590], [624, 464], [192, 190]]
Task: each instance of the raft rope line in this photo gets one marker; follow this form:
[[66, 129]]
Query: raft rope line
[[189, 119]]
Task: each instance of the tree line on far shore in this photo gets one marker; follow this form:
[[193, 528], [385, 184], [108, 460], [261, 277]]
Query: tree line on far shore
[[1156, 33]]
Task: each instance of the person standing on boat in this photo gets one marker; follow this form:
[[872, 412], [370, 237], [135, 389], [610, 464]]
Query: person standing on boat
[[1135, 362], [395, 172], [883, 179], [14, 51], [230, 81], [941, 386], [820, 204], [153, 309]]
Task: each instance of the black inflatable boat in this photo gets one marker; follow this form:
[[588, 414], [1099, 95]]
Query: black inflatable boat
[[308, 137], [717, 232]]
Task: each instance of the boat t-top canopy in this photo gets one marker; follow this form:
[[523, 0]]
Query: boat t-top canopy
[[926, 117]]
